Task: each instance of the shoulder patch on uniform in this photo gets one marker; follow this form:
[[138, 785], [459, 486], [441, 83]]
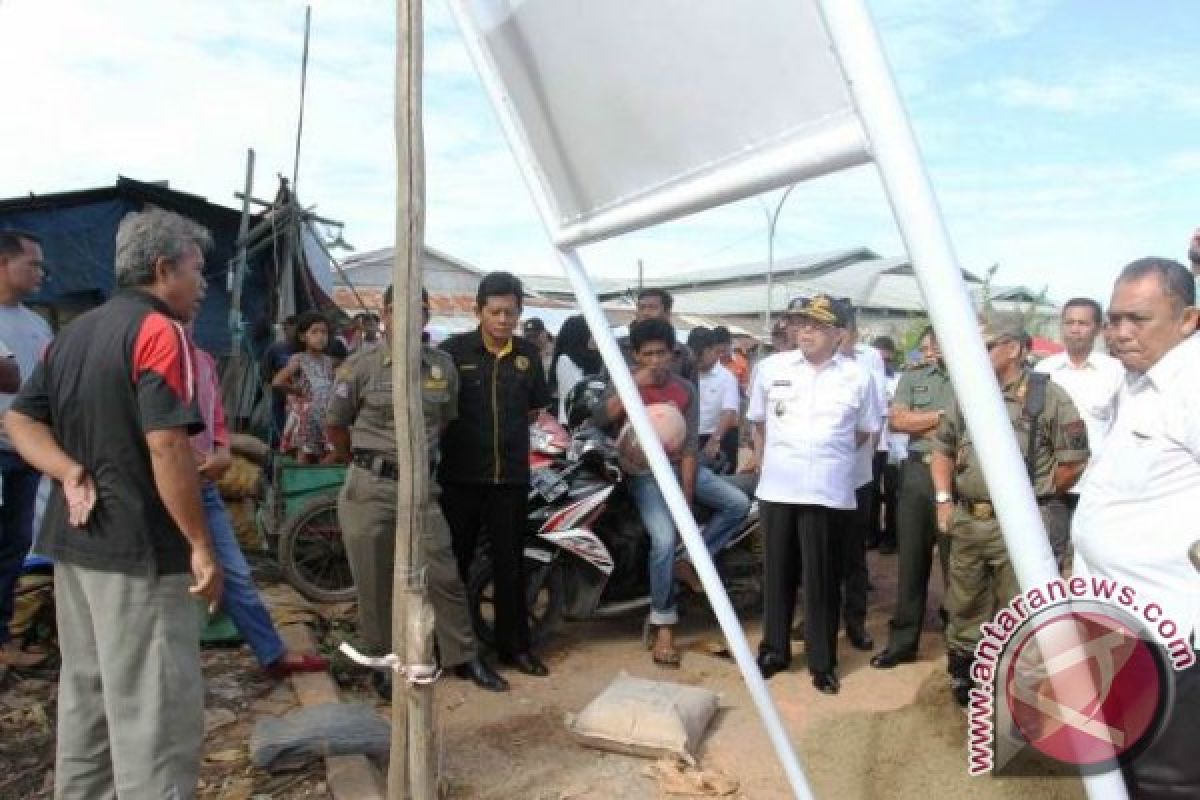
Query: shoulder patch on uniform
[[521, 363], [1076, 433]]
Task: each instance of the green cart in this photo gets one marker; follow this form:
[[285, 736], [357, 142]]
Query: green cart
[[298, 519]]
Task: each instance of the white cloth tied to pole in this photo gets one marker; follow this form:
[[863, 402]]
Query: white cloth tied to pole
[[415, 674]]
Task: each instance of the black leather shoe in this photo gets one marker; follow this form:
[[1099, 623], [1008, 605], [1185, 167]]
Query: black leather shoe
[[826, 682], [770, 663], [526, 663], [859, 638], [381, 682], [886, 659], [480, 674]]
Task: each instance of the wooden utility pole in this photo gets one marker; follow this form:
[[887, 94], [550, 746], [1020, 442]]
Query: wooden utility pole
[[413, 768]]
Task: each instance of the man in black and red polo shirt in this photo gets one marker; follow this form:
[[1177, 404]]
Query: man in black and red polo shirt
[[107, 414]]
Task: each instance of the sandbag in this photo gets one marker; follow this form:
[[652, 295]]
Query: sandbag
[[646, 718], [330, 729], [241, 480]]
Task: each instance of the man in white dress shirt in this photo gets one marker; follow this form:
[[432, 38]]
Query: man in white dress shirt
[[857, 523], [811, 408], [1093, 380], [719, 401], [1137, 514]]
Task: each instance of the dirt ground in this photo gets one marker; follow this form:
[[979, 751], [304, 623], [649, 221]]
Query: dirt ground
[[893, 734]]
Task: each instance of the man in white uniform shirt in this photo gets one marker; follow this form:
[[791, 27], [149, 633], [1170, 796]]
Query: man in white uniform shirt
[[811, 409], [1093, 380], [857, 523], [1137, 514], [25, 336], [719, 401]]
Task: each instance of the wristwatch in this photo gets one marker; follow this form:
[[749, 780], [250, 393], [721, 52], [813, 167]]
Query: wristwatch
[[943, 497]]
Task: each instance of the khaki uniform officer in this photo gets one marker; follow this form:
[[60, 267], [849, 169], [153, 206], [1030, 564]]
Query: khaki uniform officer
[[362, 403], [981, 578], [922, 397]]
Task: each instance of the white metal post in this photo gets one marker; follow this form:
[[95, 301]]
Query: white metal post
[[684, 521], [915, 207], [772, 221]]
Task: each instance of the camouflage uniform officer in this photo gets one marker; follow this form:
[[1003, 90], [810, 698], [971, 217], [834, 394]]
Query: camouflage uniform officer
[[922, 397], [361, 424], [981, 578]]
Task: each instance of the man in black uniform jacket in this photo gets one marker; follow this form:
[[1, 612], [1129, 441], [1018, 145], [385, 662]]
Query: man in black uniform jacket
[[484, 470]]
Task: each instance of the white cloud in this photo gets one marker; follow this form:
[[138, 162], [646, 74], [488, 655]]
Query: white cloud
[[1158, 84]]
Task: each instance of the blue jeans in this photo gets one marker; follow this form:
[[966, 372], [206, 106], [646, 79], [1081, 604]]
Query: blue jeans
[[240, 599], [729, 506], [16, 529]]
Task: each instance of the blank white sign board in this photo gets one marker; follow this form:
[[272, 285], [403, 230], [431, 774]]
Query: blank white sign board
[[636, 112]]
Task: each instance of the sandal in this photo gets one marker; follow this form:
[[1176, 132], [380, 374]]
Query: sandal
[[292, 663], [668, 658]]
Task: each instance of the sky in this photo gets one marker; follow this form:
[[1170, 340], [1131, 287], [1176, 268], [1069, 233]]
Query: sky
[[1062, 138]]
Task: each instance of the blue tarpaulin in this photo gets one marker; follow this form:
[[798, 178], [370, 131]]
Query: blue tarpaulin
[[78, 232]]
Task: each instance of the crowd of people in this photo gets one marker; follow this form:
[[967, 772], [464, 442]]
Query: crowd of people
[[848, 448]]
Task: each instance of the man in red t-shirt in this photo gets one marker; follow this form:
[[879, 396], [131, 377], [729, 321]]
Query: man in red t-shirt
[[653, 343]]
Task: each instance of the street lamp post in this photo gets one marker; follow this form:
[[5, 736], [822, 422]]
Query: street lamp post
[[772, 220]]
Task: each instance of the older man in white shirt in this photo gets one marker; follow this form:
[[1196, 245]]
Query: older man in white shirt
[[811, 409], [1137, 514], [856, 528], [1093, 381]]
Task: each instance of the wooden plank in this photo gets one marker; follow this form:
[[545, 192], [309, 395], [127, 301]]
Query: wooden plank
[[348, 777]]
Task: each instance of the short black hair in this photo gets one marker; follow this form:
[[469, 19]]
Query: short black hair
[[721, 335], [700, 339], [499, 284], [645, 331], [661, 294], [927, 331], [1086, 302], [884, 343], [1177, 280], [12, 242]]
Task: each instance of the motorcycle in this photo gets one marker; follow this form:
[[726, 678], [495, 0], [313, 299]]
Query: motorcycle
[[585, 553]]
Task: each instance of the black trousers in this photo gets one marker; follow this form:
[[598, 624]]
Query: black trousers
[[851, 532], [1169, 769], [801, 537], [882, 528], [497, 514]]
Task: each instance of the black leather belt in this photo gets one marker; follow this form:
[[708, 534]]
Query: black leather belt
[[376, 463], [920, 458]]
